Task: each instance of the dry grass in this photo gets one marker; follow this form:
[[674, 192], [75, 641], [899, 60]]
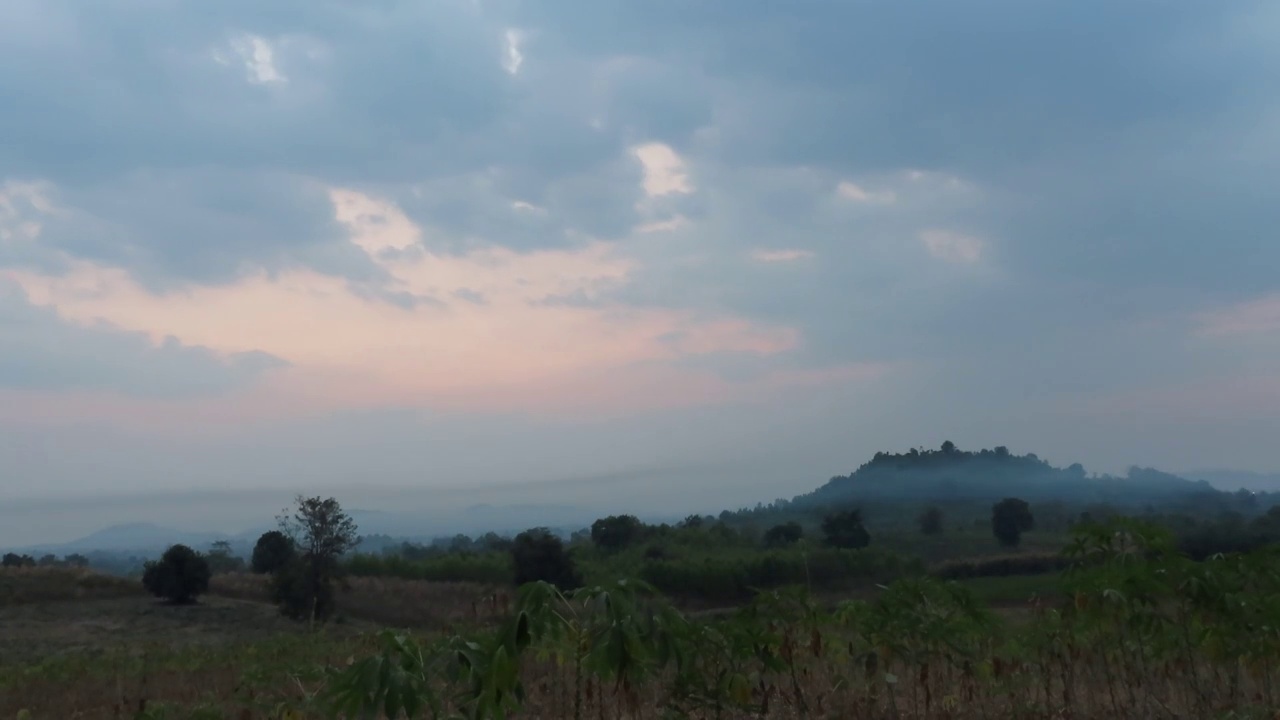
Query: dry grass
[[392, 602], [20, 586]]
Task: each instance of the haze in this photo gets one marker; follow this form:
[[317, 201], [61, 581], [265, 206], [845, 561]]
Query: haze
[[720, 250]]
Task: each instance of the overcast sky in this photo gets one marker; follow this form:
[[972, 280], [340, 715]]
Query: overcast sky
[[311, 243]]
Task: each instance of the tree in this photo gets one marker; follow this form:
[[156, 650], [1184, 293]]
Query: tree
[[616, 531], [76, 560], [783, 534], [931, 520], [222, 560], [15, 560], [49, 560], [845, 530], [537, 555], [1009, 519], [948, 447], [181, 575], [323, 533], [273, 551]]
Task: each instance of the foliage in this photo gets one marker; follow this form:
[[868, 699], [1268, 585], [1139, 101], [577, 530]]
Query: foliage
[[844, 529], [324, 533], [14, 560], [1009, 519], [179, 576], [221, 559], [616, 531], [931, 520], [783, 534], [272, 553], [540, 556]]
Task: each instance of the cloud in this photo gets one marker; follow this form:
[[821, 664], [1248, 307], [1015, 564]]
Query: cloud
[[952, 247], [664, 170], [780, 256], [855, 192], [1256, 317], [503, 345], [257, 56], [513, 59], [43, 352]]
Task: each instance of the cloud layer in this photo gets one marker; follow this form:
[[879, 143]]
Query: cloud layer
[[1003, 222]]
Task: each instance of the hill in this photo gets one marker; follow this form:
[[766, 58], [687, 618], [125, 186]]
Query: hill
[[950, 474]]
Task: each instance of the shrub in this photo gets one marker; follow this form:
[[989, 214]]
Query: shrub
[[1009, 519], [845, 530], [179, 576], [539, 555], [931, 520], [272, 553], [784, 534]]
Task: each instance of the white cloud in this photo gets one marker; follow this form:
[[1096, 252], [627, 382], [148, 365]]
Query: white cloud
[[664, 170], [952, 247], [853, 191], [780, 256], [19, 202], [512, 59], [524, 206], [669, 225], [257, 55]]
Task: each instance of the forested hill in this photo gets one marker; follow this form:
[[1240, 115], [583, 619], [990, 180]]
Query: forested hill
[[953, 474]]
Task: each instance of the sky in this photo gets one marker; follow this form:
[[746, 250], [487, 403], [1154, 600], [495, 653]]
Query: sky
[[744, 244]]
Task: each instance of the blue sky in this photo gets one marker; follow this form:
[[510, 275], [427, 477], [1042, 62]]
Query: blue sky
[[293, 244]]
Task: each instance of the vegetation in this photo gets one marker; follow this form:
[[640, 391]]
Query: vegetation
[[539, 556], [179, 576], [1009, 519], [323, 532], [272, 553], [845, 530], [779, 611]]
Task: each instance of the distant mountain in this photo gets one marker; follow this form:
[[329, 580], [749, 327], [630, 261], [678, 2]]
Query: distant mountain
[[1237, 479], [142, 538], [953, 474]]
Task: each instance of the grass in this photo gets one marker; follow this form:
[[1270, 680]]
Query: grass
[[21, 586]]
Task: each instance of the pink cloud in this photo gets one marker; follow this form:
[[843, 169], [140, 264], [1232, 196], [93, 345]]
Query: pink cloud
[[1260, 316], [513, 352]]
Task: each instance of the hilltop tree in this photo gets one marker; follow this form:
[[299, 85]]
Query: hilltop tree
[[322, 533], [616, 531], [272, 553], [1009, 519], [537, 555], [783, 534], [222, 560], [179, 576], [845, 530], [931, 520]]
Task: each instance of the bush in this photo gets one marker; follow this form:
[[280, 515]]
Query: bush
[[784, 534], [616, 531], [1001, 566], [539, 555], [1009, 519], [303, 590], [272, 553], [845, 530], [181, 575]]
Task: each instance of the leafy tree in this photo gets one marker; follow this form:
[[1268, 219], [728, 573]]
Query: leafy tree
[[783, 534], [49, 560], [273, 551], [948, 447], [76, 560], [15, 560], [323, 533], [1009, 519], [222, 560], [538, 555], [179, 576], [844, 529], [616, 531], [931, 520]]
